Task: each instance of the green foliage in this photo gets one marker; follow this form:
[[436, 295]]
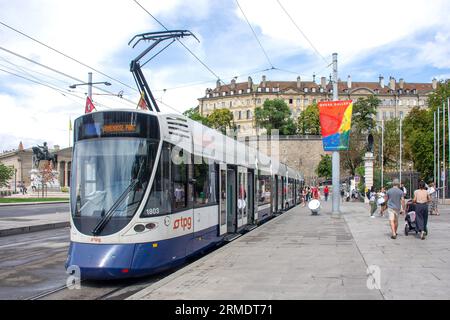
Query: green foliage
[[308, 122], [195, 115], [363, 115], [324, 167], [6, 174], [275, 114], [221, 119]]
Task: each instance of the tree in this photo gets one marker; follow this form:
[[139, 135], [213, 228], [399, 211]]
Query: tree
[[324, 167], [6, 174], [363, 122], [221, 119], [195, 115], [275, 114], [309, 122]]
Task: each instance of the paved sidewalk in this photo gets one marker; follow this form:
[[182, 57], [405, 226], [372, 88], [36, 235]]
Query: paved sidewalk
[[24, 224], [410, 268], [299, 256], [294, 256]]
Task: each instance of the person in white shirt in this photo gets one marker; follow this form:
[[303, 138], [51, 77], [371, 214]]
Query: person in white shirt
[[434, 200]]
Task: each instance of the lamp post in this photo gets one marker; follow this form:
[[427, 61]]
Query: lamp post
[[89, 84], [15, 180], [410, 180]]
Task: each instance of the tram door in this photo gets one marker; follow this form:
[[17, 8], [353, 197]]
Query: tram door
[[223, 199], [242, 202], [250, 196], [231, 200]]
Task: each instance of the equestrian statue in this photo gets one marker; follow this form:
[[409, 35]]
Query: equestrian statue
[[42, 153]]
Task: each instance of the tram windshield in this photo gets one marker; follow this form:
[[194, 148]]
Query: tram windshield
[[110, 179]]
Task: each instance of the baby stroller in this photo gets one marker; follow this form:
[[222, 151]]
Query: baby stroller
[[410, 218]]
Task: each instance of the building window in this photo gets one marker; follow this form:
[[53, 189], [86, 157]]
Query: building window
[[231, 93], [249, 90], [313, 90], [231, 104], [276, 89], [391, 115], [240, 91], [305, 90], [267, 89], [298, 102], [224, 94], [399, 102], [239, 115], [291, 101], [249, 114], [223, 104], [258, 101], [306, 102], [384, 115], [401, 114], [259, 89]]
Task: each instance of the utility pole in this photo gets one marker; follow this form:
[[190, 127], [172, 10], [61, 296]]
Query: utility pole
[[382, 148], [335, 212], [443, 152], [438, 130], [400, 150], [90, 85], [434, 154]]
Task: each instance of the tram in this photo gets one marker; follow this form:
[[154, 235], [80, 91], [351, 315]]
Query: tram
[[151, 189]]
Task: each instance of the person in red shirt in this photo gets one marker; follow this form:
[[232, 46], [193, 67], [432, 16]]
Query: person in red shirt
[[316, 194], [326, 191]]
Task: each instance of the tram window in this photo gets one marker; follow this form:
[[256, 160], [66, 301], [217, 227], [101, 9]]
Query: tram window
[[205, 183], [264, 189], [179, 178], [159, 199]]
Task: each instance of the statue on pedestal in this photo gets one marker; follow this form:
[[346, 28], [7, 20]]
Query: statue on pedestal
[[42, 153]]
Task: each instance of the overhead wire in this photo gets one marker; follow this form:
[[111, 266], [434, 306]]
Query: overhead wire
[[254, 34], [303, 34], [65, 55]]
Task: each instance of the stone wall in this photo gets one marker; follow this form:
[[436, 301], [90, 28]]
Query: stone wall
[[299, 152]]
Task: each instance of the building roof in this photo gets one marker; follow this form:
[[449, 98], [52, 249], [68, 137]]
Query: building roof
[[299, 86]]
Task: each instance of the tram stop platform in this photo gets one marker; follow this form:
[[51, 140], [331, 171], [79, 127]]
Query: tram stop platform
[[302, 256]]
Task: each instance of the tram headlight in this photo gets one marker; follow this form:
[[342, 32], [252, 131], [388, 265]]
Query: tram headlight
[[139, 228], [150, 226]]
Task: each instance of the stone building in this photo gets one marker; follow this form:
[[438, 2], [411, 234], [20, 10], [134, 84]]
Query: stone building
[[397, 98], [20, 160]]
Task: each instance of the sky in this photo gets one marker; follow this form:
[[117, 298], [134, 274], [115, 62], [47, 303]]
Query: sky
[[407, 39]]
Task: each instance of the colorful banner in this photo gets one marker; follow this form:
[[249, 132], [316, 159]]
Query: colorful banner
[[335, 121]]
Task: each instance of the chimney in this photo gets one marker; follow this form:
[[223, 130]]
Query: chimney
[[401, 83], [434, 83], [314, 77], [349, 82], [381, 81], [250, 83], [218, 83], [21, 146], [299, 82], [323, 82], [263, 81], [233, 84], [392, 83]]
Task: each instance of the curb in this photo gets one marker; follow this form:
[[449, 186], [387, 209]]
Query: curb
[[31, 203], [29, 229]]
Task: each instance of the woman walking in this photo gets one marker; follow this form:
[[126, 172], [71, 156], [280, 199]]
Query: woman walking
[[421, 199], [372, 200], [434, 200]]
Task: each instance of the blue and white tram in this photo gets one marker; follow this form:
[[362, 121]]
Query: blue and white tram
[[149, 189]]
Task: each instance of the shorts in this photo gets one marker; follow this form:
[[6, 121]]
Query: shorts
[[393, 215]]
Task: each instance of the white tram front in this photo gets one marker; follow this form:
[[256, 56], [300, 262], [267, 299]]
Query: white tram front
[[149, 190]]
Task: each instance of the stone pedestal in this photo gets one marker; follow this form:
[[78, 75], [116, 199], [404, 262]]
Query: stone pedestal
[[368, 172]]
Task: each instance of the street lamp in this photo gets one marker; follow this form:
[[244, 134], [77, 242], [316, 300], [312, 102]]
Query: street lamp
[[89, 84], [410, 180]]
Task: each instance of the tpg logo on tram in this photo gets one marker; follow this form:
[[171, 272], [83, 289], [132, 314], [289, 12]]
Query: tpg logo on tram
[[185, 223]]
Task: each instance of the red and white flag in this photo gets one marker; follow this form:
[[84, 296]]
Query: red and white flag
[[89, 106], [142, 104]]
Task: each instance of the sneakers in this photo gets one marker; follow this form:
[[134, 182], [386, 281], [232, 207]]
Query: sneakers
[[422, 235], [372, 216]]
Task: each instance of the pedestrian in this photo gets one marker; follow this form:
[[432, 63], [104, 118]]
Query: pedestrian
[[382, 202], [434, 199], [395, 203], [421, 200], [304, 196], [372, 201], [326, 191], [403, 188]]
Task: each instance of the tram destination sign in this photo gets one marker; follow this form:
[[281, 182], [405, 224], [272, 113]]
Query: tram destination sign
[[335, 122], [118, 128]]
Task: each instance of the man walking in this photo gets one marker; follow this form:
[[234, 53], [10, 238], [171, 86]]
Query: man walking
[[396, 203], [326, 191]]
